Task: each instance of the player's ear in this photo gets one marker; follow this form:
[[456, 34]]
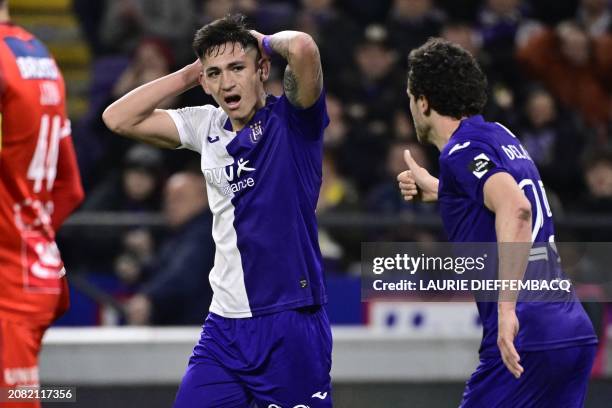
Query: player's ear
[[423, 105], [263, 68]]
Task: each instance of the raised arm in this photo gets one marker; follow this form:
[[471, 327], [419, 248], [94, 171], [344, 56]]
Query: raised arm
[[303, 80], [135, 115], [512, 209]]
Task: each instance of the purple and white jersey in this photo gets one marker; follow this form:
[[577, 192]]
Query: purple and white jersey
[[263, 185], [475, 152]]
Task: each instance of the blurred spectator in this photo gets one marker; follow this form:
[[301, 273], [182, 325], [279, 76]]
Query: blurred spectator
[[595, 17], [214, 9], [89, 16], [555, 142], [135, 188], [176, 289], [370, 95], [335, 34], [370, 90], [126, 22], [335, 135], [365, 12], [337, 193], [340, 246], [385, 198], [411, 23], [264, 16], [598, 177], [403, 128], [356, 156], [463, 34], [597, 170], [577, 70], [501, 94], [152, 59], [138, 249], [498, 23], [464, 10]]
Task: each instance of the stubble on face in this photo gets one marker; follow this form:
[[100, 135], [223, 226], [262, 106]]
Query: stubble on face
[[421, 129]]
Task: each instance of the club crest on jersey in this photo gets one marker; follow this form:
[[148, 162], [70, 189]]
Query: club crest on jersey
[[480, 165], [256, 131]]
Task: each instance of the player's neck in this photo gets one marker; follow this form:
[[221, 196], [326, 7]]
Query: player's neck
[[443, 128]]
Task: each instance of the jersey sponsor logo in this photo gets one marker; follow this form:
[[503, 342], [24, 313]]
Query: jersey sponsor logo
[[212, 139], [256, 131], [228, 178], [21, 376], [480, 165], [319, 395], [50, 94], [41, 262], [458, 146]]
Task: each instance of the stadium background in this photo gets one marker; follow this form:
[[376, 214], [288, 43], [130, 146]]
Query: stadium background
[[549, 65]]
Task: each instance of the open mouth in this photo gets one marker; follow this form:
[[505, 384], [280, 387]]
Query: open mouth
[[232, 101]]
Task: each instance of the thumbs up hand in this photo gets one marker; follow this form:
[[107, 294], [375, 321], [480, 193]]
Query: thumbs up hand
[[416, 182]]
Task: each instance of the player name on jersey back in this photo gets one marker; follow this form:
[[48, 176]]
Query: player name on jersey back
[[37, 68], [32, 58]]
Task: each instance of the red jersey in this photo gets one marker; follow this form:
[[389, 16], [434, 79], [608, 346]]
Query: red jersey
[[35, 138]]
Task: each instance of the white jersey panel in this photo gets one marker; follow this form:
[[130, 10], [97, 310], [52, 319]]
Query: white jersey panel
[[201, 130]]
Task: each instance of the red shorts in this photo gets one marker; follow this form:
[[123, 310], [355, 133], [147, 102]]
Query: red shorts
[[20, 344]]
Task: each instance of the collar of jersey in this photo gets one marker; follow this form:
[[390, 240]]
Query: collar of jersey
[[467, 121]]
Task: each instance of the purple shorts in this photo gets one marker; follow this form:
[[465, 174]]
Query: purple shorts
[[552, 378], [279, 360]]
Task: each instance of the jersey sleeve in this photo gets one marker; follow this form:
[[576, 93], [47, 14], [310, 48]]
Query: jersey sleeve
[[309, 122], [471, 164], [193, 124]]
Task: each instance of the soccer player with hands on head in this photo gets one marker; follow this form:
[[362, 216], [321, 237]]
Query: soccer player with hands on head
[[267, 338]]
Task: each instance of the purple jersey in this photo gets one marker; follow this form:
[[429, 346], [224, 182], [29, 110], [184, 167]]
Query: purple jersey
[[263, 184], [475, 152]]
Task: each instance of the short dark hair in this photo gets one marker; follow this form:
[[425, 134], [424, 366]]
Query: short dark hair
[[449, 77], [231, 28]]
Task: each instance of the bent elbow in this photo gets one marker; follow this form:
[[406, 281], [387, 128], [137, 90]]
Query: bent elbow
[[112, 122], [523, 210], [304, 46]]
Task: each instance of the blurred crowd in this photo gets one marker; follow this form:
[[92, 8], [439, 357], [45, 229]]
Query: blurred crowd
[[548, 63]]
